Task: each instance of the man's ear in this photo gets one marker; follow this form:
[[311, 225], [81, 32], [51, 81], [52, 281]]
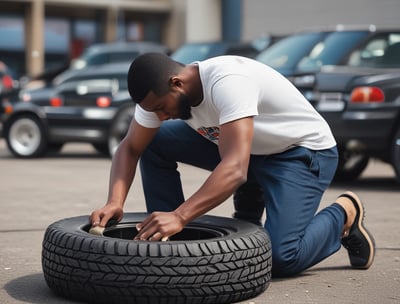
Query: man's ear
[[175, 81]]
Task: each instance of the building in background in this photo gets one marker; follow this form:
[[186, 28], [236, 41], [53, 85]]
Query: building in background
[[40, 34], [36, 35]]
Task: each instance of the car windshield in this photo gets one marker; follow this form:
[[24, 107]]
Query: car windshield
[[189, 53], [286, 53], [331, 50]]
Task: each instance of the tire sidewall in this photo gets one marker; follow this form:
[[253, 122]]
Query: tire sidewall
[[231, 267], [396, 154]]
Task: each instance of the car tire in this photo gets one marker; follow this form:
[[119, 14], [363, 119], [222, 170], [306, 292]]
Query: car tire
[[350, 166], [212, 260], [396, 154], [25, 137], [119, 128], [55, 147], [101, 148]]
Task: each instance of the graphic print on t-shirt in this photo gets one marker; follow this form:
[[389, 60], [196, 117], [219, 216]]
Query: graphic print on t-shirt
[[211, 133]]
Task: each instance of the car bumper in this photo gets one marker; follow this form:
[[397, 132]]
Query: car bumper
[[366, 127]]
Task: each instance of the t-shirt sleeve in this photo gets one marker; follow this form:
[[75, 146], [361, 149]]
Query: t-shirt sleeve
[[145, 118], [235, 97]]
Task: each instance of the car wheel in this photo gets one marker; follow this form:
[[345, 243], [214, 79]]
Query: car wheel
[[396, 154], [212, 260], [351, 165], [119, 128], [101, 148], [55, 147], [25, 137]]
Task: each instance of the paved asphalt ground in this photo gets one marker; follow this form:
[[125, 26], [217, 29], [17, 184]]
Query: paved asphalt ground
[[35, 193]]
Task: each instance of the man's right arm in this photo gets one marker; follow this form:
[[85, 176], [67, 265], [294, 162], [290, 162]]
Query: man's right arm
[[122, 173]]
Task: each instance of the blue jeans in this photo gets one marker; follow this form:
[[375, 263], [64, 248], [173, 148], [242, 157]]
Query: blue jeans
[[293, 183]]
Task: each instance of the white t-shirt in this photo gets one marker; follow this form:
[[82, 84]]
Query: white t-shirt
[[237, 87]]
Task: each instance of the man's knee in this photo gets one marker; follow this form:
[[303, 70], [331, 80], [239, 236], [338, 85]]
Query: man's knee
[[285, 264]]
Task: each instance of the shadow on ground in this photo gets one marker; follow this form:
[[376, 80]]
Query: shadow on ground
[[33, 289]]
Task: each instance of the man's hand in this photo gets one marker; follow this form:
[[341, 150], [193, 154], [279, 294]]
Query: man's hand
[[101, 216], [159, 226]]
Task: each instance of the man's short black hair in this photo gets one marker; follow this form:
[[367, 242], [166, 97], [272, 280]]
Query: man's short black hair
[[150, 72]]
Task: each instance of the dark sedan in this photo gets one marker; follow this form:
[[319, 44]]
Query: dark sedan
[[92, 106], [362, 106]]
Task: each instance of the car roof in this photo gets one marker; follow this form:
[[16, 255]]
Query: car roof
[[141, 46]]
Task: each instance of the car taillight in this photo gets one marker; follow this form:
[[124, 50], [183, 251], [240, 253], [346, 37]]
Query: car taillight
[[367, 94], [56, 102], [103, 101], [7, 81], [8, 108]]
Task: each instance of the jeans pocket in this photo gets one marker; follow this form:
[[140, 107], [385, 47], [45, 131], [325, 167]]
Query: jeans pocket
[[314, 165]]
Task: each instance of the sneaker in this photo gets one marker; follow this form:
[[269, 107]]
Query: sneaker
[[359, 242]]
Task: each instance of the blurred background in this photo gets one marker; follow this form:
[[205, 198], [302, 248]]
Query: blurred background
[[36, 35]]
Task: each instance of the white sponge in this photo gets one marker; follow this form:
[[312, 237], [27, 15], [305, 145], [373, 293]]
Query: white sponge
[[97, 230]]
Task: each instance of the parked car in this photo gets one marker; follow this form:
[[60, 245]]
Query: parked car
[[114, 52], [95, 55], [92, 106], [299, 56], [308, 51], [361, 103]]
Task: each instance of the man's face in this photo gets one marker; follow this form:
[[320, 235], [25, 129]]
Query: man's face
[[173, 105]]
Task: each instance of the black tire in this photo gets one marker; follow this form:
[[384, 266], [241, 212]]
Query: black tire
[[25, 137], [351, 165], [101, 148], [119, 128], [55, 147], [213, 260], [396, 154]]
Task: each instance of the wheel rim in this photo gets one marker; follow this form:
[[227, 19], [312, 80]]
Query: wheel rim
[[25, 136]]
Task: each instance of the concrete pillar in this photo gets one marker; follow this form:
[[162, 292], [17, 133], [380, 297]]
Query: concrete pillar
[[174, 32], [111, 25], [231, 20], [203, 20], [34, 37]]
